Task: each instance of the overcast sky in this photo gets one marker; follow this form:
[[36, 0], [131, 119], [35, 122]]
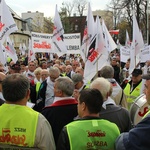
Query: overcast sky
[[48, 6]]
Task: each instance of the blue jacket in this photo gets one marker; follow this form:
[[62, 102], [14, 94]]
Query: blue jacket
[[137, 138]]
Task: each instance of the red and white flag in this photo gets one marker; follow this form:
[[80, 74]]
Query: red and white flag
[[10, 50], [7, 23], [57, 37], [89, 33], [109, 42], [97, 54], [114, 32], [31, 54]]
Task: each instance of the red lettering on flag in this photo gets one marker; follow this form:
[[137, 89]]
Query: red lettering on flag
[[85, 31], [93, 56], [59, 38], [54, 28], [1, 26]]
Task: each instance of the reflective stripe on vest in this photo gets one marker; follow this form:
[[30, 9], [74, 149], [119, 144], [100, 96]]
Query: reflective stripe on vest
[[94, 134], [18, 125]]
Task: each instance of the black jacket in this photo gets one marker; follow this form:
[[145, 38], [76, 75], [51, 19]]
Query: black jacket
[[59, 114]]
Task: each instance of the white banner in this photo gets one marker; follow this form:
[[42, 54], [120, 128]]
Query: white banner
[[124, 54], [145, 54], [73, 42], [42, 42]]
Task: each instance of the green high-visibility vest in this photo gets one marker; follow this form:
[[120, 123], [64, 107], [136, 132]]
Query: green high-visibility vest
[[133, 95], [92, 135], [37, 88], [18, 125]]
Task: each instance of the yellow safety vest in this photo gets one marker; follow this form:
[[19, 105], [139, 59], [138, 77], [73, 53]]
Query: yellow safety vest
[[18, 125], [37, 88], [133, 95], [94, 134]]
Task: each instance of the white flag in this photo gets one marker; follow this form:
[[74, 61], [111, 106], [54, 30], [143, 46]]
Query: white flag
[[136, 46], [103, 58], [10, 50], [137, 36], [97, 53], [100, 43], [57, 37], [109, 42], [31, 54], [3, 57], [127, 42], [7, 23], [89, 33]]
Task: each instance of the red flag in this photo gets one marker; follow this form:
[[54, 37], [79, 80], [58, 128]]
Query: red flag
[[114, 32]]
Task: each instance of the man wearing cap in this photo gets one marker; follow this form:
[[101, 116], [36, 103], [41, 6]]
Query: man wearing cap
[[15, 68], [138, 137], [79, 84], [132, 89]]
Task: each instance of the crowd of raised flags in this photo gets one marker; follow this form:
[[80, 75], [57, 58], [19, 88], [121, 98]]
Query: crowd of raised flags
[[96, 44]]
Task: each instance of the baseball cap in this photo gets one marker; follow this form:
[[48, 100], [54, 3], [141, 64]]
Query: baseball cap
[[136, 72], [15, 67], [77, 77], [146, 76]]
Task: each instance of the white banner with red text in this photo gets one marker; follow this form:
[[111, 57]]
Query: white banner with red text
[[42, 42]]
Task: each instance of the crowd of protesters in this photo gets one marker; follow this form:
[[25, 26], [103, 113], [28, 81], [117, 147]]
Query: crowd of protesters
[[70, 112]]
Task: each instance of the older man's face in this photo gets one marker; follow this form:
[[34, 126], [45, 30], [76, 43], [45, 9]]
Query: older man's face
[[147, 91]]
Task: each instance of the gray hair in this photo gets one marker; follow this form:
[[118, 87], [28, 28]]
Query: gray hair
[[15, 87], [54, 70], [103, 85], [66, 85], [107, 72]]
